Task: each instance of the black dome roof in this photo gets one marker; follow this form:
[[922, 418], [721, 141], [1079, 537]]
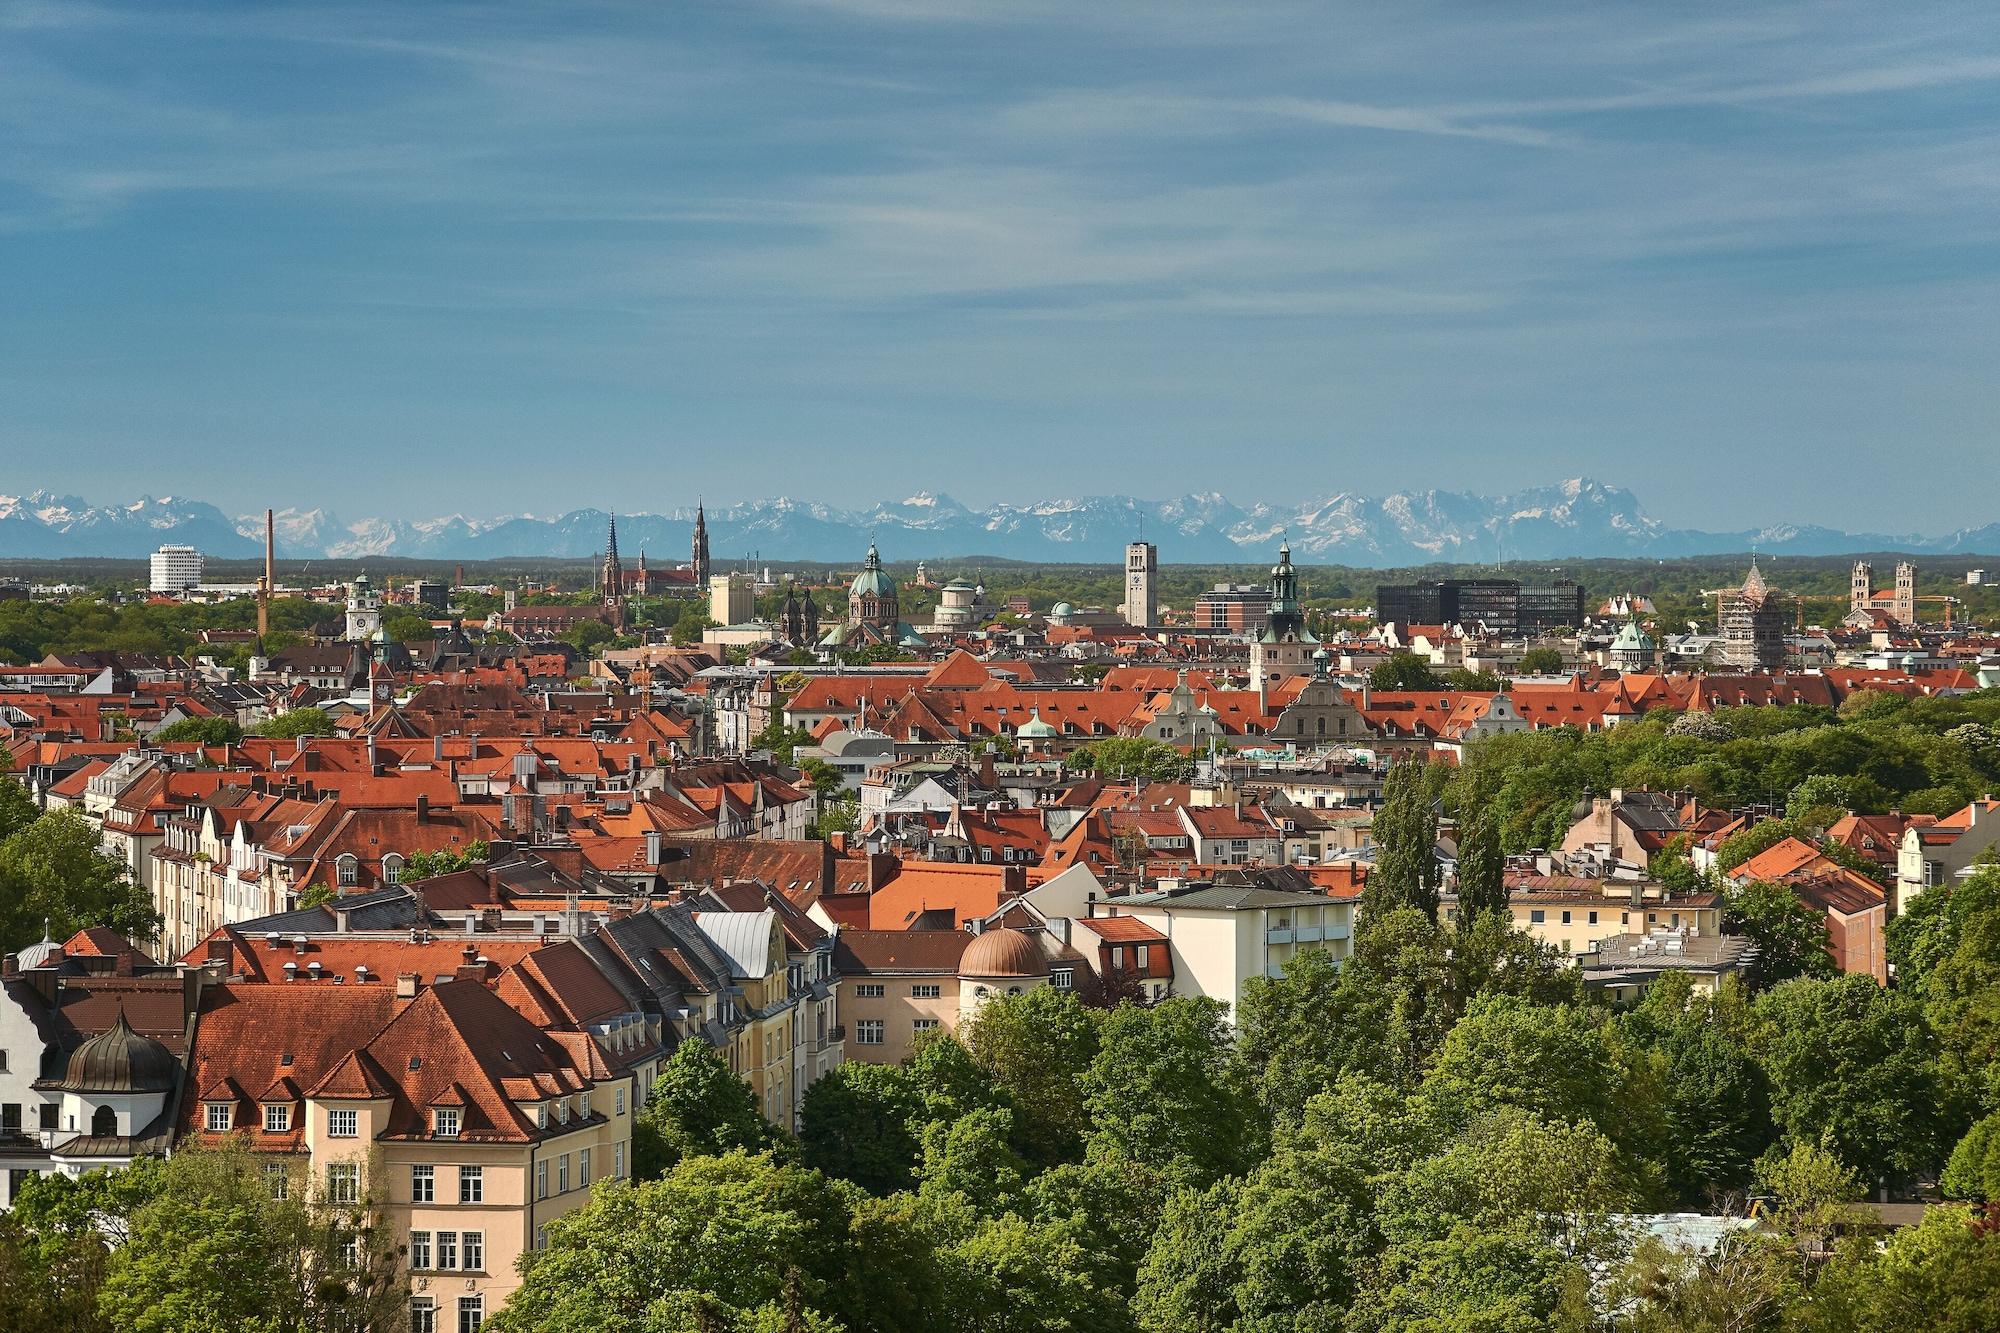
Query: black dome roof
[[121, 1060]]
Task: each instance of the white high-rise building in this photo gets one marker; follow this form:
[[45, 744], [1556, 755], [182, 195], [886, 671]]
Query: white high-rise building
[[176, 569], [1142, 564]]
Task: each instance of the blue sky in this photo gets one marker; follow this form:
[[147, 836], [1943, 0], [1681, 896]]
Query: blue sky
[[413, 258]]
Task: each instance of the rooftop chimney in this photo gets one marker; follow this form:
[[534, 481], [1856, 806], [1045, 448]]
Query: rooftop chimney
[[406, 985]]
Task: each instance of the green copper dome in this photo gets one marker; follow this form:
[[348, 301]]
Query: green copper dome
[[872, 581]]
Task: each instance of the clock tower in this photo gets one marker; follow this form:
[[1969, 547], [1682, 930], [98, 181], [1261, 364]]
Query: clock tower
[[1142, 563]]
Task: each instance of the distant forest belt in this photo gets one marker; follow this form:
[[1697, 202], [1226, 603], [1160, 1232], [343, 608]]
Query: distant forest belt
[[1817, 579]]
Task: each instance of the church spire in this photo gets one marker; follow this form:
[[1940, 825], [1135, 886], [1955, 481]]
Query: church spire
[[611, 579], [699, 564]]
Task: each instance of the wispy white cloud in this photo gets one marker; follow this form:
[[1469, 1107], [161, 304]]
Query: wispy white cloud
[[1454, 221]]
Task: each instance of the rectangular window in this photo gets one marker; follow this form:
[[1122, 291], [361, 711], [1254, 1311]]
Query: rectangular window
[[1537, 916], [1565, 916], [929, 990], [343, 1124], [343, 1183], [423, 1184], [562, 1174], [447, 1249], [444, 1122], [471, 1313], [618, 1101], [420, 1250], [618, 1161], [1062, 978], [583, 1168], [868, 1032], [869, 990], [472, 1184], [472, 1251], [1593, 918], [542, 1179], [278, 1180], [1142, 956], [219, 1116], [923, 1024], [277, 1119], [423, 1314]]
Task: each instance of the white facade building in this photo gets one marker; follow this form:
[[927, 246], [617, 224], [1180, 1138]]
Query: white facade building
[[176, 569]]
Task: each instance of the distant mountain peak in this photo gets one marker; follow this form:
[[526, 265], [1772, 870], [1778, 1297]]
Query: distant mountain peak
[[1575, 518]]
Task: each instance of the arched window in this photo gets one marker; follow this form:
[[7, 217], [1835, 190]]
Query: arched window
[[347, 869], [392, 869], [1319, 725], [104, 1124]]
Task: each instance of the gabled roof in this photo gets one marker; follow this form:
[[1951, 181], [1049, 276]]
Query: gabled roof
[[899, 952]]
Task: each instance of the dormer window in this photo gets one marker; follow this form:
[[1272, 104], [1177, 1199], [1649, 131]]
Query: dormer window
[[220, 1117], [347, 870], [562, 1110], [444, 1122], [277, 1117], [542, 1116], [392, 869]]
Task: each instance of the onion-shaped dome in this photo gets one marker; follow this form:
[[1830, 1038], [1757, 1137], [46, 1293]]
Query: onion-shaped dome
[[1036, 729], [43, 951], [121, 1060]]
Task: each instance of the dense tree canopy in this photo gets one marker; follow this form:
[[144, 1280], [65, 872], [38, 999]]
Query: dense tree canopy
[[55, 876], [1915, 755], [1403, 671], [295, 723], [1133, 756], [697, 1106], [200, 730], [1406, 871], [1790, 934], [203, 1242]]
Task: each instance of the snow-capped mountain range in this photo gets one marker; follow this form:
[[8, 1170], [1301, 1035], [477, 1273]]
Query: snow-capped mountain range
[[1576, 519]]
